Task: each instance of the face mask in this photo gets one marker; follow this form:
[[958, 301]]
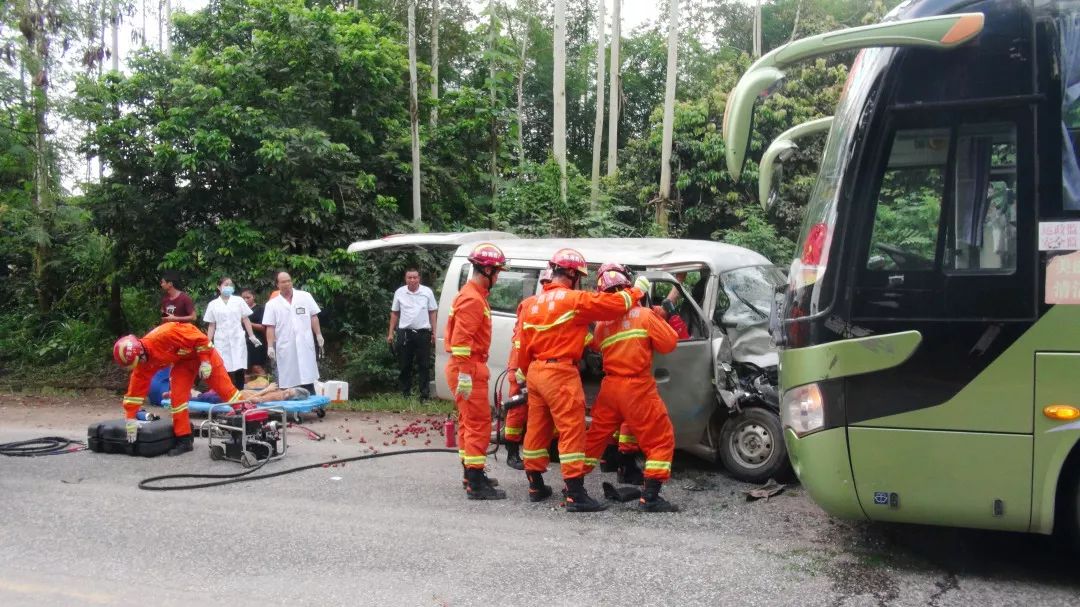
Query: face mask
[[227, 291]]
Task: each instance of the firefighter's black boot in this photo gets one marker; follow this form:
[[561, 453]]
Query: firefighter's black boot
[[578, 500], [182, 445], [629, 473], [479, 487], [538, 491], [494, 482], [513, 456], [651, 500], [609, 461]]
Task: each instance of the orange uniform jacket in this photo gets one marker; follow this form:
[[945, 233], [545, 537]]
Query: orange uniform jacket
[[166, 345], [468, 328], [515, 345], [558, 306], [628, 343]]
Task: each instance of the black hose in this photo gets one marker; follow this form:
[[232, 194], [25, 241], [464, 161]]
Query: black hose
[[46, 445], [248, 475]]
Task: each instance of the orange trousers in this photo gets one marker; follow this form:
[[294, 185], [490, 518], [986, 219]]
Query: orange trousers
[[474, 413], [636, 401], [556, 402], [182, 380], [514, 430]]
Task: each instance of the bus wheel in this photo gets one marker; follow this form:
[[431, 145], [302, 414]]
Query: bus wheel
[[752, 445]]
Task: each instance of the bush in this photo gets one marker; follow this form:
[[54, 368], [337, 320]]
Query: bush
[[368, 365]]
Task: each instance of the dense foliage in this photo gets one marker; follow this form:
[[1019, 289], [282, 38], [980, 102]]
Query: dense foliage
[[275, 132]]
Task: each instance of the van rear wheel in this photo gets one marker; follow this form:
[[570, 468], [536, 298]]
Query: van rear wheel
[[752, 445]]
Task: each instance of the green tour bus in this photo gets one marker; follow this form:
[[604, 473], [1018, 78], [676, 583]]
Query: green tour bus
[[930, 328]]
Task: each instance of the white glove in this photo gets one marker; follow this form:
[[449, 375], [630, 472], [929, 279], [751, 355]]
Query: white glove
[[643, 284], [204, 370], [271, 353], [464, 385], [520, 377], [254, 340], [132, 428]]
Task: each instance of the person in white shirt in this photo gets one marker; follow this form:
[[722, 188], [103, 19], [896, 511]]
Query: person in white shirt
[[412, 316], [292, 331], [227, 317]]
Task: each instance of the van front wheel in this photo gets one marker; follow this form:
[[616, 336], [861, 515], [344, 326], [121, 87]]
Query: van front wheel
[[752, 446]]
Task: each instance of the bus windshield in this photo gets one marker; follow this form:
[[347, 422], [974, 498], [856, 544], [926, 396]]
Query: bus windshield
[[812, 251]]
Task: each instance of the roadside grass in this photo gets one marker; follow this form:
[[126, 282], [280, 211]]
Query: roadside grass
[[395, 403]]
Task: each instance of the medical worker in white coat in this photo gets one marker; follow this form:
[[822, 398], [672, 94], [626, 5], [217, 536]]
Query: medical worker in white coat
[[292, 331], [227, 317]]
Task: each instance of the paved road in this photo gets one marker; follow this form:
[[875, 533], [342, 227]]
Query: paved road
[[75, 530]]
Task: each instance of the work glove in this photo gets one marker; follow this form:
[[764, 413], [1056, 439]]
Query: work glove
[[204, 370], [254, 340], [271, 353], [132, 427], [464, 385], [643, 284], [520, 377]]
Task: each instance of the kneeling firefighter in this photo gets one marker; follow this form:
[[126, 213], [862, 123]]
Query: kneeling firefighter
[[628, 391], [553, 331], [190, 353], [468, 339]]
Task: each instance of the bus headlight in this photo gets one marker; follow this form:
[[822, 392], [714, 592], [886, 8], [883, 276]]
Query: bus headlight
[[803, 409]]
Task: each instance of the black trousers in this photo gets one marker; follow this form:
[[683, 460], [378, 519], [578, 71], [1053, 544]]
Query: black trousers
[[414, 348]]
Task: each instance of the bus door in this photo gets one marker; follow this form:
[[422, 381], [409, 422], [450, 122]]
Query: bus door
[[946, 247]]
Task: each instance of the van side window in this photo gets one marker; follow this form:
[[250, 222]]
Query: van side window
[[909, 201], [513, 285]]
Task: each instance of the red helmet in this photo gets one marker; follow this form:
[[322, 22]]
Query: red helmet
[[487, 255], [612, 275], [569, 259], [545, 276], [127, 351]]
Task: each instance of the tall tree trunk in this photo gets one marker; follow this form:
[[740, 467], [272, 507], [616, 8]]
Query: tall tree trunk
[[434, 65], [669, 116], [36, 24], [523, 61], [757, 28], [142, 14], [114, 18], [614, 90], [795, 26], [168, 26], [414, 115], [559, 95], [160, 26], [493, 126], [598, 124]]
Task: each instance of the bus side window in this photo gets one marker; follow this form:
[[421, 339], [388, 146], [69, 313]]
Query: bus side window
[[982, 237], [1069, 28]]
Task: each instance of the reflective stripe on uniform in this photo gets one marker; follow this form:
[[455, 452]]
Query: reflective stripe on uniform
[[517, 343], [461, 350], [592, 461], [566, 317], [204, 348], [654, 464], [474, 459], [627, 438], [626, 298], [567, 458], [179, 409], [534, 453], [461, 453], [512, 431], [235, 397], [133, 400], [623, 335]]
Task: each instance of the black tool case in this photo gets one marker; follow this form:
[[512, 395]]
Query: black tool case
[[154, 438]]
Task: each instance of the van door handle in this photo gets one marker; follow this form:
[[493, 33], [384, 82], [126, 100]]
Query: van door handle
[[896, 280], [662, 375]]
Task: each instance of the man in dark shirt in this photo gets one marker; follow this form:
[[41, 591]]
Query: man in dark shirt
[[176, 306], [256, 354]]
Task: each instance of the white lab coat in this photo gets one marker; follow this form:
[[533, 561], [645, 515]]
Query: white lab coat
[[229, 334], [295, 342]]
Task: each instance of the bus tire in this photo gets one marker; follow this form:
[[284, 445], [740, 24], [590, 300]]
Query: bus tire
[[752, 445], [1069, 512]]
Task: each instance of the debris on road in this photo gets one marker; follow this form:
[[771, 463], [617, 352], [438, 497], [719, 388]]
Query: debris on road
[[768, 490]]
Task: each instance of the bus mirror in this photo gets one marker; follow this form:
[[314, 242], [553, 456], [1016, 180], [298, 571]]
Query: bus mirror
[[941, 32], [770, 173]]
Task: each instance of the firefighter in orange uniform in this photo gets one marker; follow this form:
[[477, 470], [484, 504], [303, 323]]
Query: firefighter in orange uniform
[[190, 352], [628, 392], [468, 338], [553, 332], [514, 431]]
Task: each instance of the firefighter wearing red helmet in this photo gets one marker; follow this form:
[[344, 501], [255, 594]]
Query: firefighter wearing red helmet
[[553, 331], [514, 431], [190, 353], [468, 339], [628, 393]]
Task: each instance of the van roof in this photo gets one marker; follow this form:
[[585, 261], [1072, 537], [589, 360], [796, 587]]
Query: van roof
[[646, 252]]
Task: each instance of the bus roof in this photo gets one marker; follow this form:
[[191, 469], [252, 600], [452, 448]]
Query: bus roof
[[655, 253]]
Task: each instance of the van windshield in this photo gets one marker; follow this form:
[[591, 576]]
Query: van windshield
[[750, 293]]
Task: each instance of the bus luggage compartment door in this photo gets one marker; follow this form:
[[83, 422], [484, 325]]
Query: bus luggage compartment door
[[961, 479]]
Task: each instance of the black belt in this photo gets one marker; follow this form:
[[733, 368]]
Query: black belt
[[415, 330], [568, 361]]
